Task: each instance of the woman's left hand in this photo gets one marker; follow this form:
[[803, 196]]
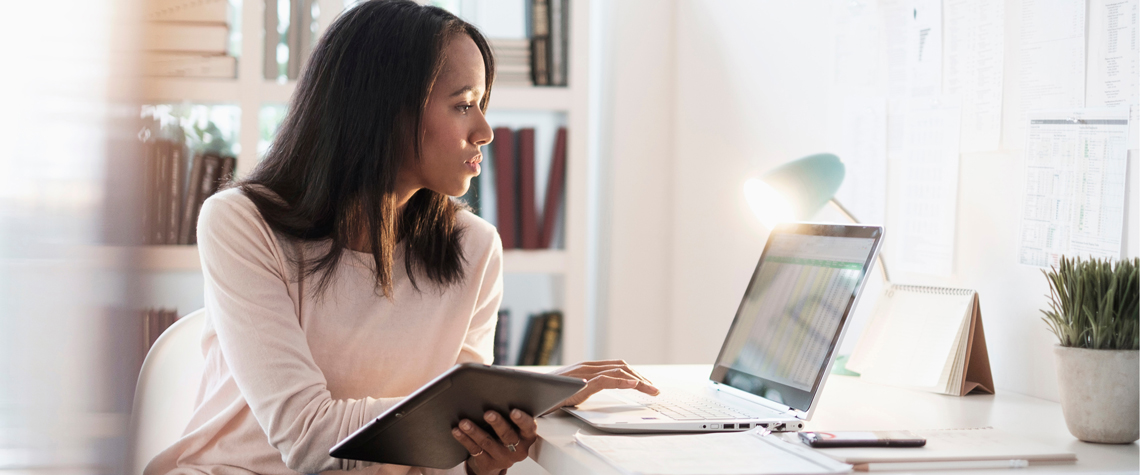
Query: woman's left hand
[[490, 456]]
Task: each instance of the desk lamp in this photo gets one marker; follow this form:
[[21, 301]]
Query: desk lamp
[[796, 190]]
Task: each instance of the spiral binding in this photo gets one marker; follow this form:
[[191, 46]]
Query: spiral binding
[[924, 289]]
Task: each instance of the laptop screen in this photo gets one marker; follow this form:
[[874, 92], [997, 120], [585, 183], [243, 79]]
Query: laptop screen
[[789, 323]]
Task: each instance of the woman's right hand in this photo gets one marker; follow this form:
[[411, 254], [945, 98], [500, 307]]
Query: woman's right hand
[[606, 374]]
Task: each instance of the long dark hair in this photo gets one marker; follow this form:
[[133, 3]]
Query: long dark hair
[[355, 115]]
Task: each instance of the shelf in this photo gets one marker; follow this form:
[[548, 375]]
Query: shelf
[[185, 258], [178, 90]]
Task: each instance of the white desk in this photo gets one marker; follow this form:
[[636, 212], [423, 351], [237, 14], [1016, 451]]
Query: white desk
[[850, 404]]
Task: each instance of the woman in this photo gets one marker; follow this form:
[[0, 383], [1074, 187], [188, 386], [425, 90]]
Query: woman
[[339, 275]]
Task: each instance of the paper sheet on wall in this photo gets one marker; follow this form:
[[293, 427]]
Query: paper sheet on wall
[[863, 149], [895, 17], [927, 192], [972, 68], [857, 44], [1075, 164], [1114, 57], [924, 45], [1052, 59]]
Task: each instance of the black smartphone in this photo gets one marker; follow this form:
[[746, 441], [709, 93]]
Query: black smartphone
[[890, 438]]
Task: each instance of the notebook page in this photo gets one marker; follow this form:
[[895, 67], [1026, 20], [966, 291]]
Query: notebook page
[[730, 453], [917, 330]]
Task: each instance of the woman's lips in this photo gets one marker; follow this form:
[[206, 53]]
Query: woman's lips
[[473, 164]]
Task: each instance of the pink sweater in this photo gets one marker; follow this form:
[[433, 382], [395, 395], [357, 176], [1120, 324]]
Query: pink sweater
[[289, 373]]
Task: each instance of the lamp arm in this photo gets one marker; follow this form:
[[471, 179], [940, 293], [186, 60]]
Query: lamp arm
[[879, 257]]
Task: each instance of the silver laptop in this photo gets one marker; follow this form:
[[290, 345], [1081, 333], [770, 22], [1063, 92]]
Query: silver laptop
[[779, 350]]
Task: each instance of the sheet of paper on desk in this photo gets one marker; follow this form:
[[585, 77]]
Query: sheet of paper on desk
[[729, 453], [958, 445]]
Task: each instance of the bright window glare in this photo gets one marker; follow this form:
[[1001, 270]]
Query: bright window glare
[[769, 206]]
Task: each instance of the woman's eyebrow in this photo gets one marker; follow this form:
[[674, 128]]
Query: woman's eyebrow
[[463, 90]]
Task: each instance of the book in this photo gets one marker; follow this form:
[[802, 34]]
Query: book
[[502, 338], [528, 212], [532, 339], [162, 194], [928, 338], [559, 23], [554, 190], [952, 445], [176, 176], [187, 10], [150, 192], [207, 185], [202, 38], [270, 41], [189, 65], [540, 42], [506, 194], [551, 335]]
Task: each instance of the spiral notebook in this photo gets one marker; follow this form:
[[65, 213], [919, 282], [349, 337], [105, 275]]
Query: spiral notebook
[[927, 338]]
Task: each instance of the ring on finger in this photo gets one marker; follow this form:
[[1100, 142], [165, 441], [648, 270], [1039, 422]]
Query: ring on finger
[[478, 454], [511, 447]]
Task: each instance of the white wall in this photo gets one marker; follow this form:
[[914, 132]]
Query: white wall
[[753, 86]]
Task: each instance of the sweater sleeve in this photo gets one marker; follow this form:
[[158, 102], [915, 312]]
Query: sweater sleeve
[[261, 339], [479, 344]]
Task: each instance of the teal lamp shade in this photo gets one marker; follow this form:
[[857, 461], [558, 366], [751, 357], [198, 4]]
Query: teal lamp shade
[[796, 190]]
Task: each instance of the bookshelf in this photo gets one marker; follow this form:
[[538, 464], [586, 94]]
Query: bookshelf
[[250, 92]]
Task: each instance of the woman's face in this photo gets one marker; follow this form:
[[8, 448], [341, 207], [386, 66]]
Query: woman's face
[[454, 126]]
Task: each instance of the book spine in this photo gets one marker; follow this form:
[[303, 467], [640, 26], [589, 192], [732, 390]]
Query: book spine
[[540, 72], [192, 203], [553, 201], [528, 213], [202, 38], [162, 216], [534, 329], [557, 61], [150, 194], [173, 203], [551, 333], [229, 171], [506, 196], [211, 170], [272, 39], [502, 337], [187, 10]]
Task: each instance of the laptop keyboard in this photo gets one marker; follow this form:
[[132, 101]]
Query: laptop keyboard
[[684, 407]]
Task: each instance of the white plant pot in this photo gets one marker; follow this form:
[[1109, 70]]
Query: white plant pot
[[1100, 393]]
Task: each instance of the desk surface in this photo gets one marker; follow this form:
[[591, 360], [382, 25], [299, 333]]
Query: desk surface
[[850, 404]]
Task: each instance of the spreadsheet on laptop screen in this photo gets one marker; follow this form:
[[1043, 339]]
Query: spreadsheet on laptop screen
[[792, 309]]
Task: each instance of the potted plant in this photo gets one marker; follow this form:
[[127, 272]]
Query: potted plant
[[1094, 313]]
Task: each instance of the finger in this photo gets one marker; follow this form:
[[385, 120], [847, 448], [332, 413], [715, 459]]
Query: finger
[[466, 442], [502, 428], [528, 428], [598, 366], [484, 440], [641, 385]]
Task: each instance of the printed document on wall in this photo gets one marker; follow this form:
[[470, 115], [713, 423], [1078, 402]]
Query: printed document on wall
[[1075, 166], [925, 48], [927, 203], [1114, 55], [863, 149], [1052, 59], [973, 51]]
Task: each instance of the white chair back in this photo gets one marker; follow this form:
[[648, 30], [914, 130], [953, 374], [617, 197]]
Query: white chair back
[[167, 387]]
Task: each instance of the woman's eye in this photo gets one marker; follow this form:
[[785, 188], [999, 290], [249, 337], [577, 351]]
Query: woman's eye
[[464, 107]]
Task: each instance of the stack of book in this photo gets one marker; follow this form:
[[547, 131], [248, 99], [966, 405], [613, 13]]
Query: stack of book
[[154, 322], [512, 61], [520, 224], [173, 196], [542, 340], [188, 38], [548, 42]]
